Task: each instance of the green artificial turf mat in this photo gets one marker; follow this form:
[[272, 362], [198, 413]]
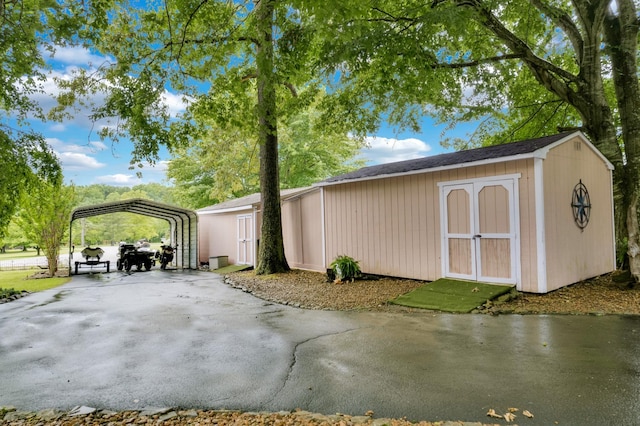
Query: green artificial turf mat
[[451, 295], [232, 268]]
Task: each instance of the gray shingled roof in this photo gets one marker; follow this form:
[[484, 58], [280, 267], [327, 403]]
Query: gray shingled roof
[[249, 200], [450, 159]]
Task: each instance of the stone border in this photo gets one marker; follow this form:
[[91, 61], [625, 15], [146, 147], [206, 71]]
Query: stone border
[[174, 416], [13, 297], [227, 280]]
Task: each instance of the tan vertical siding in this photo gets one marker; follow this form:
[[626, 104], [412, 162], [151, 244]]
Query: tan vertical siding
[[416, 228], [431, 235], [291, 232], [312, 231], [392, 225], [204, 226], [528, 237], [528, 260], [302, 231], [571, 256], [388, 222], [223, 234]]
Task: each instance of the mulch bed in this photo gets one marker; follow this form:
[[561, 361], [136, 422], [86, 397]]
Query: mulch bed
[[606, 294]]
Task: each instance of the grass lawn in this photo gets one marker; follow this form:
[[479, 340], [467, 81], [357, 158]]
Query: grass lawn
[[18, 281], [19, 254]]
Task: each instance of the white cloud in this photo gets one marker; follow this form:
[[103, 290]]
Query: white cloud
[[60, 146], [98, 145], [386, 150], [75, 157], [46, 99], [175, 103], [119, 179], [77, 55], [159, 167], [66, 61], [75, 161]]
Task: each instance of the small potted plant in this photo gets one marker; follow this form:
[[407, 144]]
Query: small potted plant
[[345, 268]]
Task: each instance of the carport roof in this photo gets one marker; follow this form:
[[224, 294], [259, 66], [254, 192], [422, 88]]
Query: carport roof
[[183, 222], [134, 205]]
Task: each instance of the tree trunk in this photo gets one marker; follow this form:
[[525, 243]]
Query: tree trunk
[[51, 237], [52, 263], [585, 91], [621, 35], [271, 258]]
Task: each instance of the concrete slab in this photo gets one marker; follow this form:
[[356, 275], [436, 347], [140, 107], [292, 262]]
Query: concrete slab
[[185, 339]]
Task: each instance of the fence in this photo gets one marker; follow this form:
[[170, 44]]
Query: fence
[[31, 263]]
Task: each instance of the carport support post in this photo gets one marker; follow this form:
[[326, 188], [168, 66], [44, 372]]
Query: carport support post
[[70, 244]]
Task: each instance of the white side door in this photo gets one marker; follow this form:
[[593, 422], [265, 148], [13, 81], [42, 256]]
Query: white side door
[[245, 240]]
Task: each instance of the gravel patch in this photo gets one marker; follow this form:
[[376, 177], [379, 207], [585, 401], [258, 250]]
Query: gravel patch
[[609, 294], [311, 290]]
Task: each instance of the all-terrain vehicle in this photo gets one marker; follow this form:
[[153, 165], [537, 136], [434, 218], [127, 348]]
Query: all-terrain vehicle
[[138, 255]]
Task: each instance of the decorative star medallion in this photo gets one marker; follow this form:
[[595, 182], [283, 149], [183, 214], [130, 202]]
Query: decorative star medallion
[[581, 205]]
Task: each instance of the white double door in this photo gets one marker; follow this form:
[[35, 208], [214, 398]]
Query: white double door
[[480, 230]]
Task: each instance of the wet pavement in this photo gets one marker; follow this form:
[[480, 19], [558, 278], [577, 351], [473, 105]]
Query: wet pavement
[[185, 339]]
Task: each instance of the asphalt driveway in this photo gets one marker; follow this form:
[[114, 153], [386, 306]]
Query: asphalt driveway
[[185, 339]]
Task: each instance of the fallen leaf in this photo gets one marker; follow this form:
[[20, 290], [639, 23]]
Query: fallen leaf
[[509, 417], [527, 413], [369, 413], [475, 290], [492, 413], [512, 410]]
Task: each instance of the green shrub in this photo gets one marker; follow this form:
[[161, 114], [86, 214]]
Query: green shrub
[[345, 268], [7, 292]]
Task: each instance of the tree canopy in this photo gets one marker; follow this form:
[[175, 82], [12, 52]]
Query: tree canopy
[[223, 164], [522, 68], [215, 53], [44, 217], [30, 30]]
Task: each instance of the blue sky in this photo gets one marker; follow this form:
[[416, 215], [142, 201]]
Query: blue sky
[[87, 160]]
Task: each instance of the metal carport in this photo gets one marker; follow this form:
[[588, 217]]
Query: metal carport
[[183, 222]]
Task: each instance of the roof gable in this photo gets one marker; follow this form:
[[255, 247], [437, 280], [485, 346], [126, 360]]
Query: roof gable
[[504, 152]]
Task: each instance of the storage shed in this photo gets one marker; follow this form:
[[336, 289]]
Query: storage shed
[[232, 229], [536, 213]]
